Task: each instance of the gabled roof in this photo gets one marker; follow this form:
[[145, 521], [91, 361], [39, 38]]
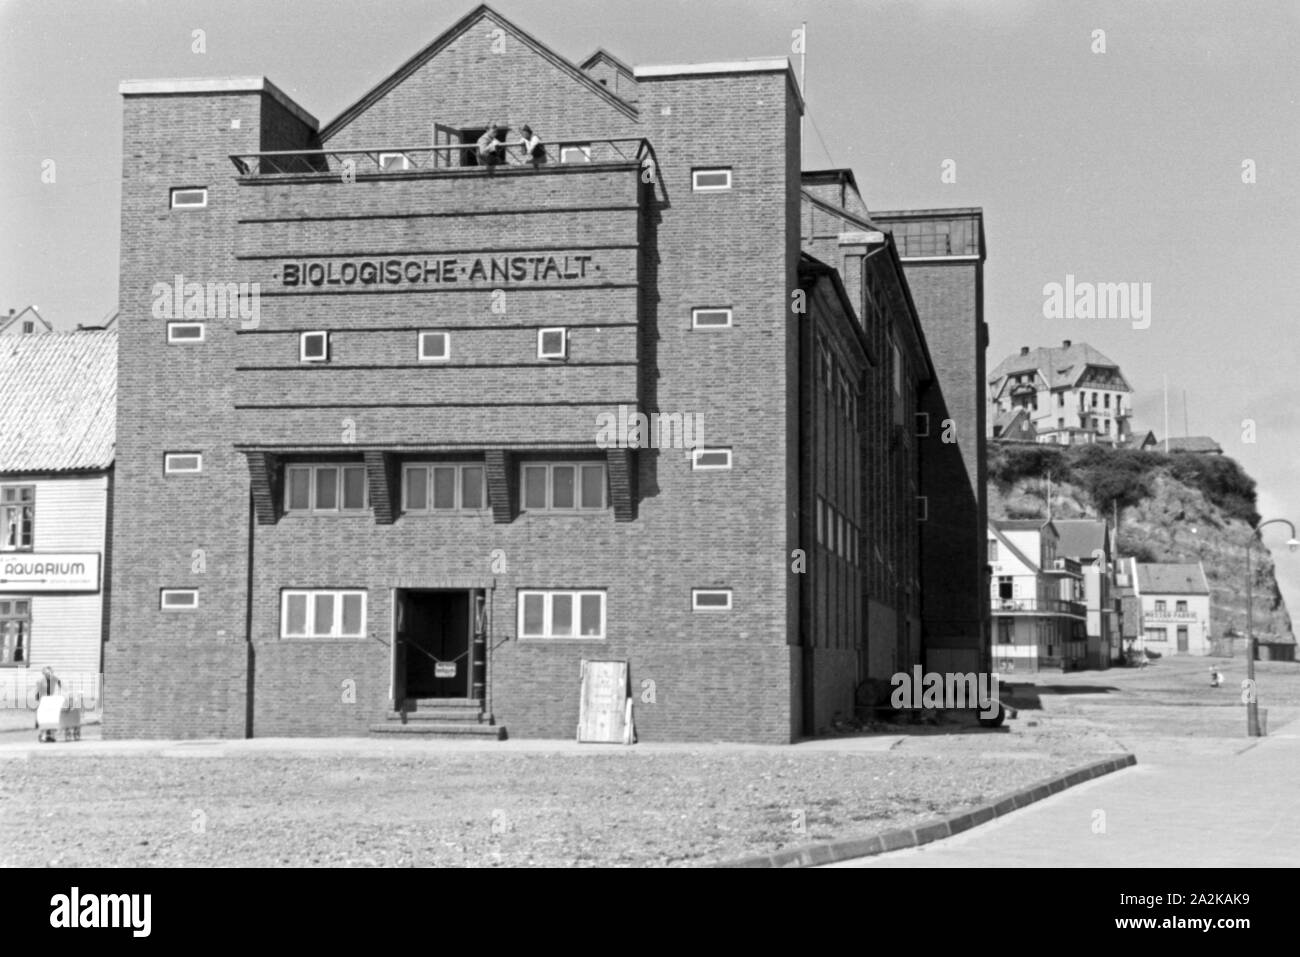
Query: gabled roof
[[1080, 537], [1158, 578], [27, 315], [59, 407], [1061, 366], [603, 54], [1012, 547], [462, 26]]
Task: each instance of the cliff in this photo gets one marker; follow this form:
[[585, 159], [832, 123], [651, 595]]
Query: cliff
[[1183, 507]]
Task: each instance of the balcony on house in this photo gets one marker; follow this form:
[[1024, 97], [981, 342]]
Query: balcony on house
[[1038, 606]]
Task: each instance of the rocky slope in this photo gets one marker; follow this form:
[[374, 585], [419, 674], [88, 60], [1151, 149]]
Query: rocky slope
[[1179, 508]]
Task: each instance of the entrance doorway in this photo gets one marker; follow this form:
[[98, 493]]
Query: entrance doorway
[[434, 632], [1182, 637]]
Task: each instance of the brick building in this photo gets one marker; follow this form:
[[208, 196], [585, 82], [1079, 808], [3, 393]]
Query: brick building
[[366, 390]]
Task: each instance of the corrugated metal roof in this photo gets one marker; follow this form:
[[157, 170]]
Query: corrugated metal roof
[[1171, 579], [58, 401]]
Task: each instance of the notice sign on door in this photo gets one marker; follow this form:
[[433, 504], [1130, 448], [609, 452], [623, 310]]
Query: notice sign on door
[[604, 707], [49, 571], [444, 669]]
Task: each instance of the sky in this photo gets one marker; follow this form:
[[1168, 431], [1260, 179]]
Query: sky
[[1112, 156]]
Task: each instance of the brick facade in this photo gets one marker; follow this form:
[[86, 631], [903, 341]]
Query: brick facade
[[655, 250]]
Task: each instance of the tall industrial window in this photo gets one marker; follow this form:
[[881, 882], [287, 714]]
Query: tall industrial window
[[325, 488], [322, 614], [563, 486], [17, 517], [15, 630], [561, 614]]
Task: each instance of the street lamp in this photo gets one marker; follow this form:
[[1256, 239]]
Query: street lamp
[[1252, 704]]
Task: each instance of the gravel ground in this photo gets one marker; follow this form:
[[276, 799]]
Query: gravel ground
[[480, 808]]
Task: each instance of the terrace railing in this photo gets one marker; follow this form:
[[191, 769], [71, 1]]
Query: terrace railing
[[1039, 606], [454, 157]]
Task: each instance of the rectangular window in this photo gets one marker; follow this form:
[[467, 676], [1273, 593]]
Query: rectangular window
[[561, 614], [435, 347], [1162, 608], [922, 424], [314, 346], [710, 599], [577, 153], [563, 486], [325, 488], [705, 180], [552, 343], [182, 463], [190, 198], [443, 487], [184, 332], [322, 614], [1106, 400], [1156, 634], [993, 551], [710, 460], [1180, 608], [393, 162], [922, 508], [15, 630], [710, 318], [17, 517], [178, 599]]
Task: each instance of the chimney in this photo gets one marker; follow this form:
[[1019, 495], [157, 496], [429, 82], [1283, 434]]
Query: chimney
[[1065, 343], [1024, 350]]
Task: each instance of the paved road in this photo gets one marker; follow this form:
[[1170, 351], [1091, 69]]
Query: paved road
[[1188, 803]]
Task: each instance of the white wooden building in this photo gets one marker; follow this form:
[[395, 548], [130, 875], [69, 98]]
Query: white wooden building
[[56, 476]]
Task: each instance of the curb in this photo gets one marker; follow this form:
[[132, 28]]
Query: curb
[[811, 855]]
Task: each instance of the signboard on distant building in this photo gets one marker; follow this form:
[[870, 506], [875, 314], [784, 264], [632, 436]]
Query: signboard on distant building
[[49, 571]]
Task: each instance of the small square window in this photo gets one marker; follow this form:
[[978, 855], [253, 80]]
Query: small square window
[[710, 599], [179, 599], [552, 343], [435, 346], [578, 153], [182, 463], [314, 346], [703, 460], [392, 162], [184, 332], [704, 180], [189, 198], [710, 318]]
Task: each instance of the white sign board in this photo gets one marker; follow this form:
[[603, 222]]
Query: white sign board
[[49, 571]]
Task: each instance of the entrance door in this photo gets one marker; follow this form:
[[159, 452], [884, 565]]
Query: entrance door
[[434, 634], [1182, 637]]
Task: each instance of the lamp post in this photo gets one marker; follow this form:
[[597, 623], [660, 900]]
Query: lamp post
[[1252, 703]]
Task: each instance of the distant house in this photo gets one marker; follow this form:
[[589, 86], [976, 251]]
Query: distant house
[[1175, 607], [1071, 393], [1091, 542], [1187, 443], [1038, 621], [57, 425], [1014, 425], [25, 323]]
